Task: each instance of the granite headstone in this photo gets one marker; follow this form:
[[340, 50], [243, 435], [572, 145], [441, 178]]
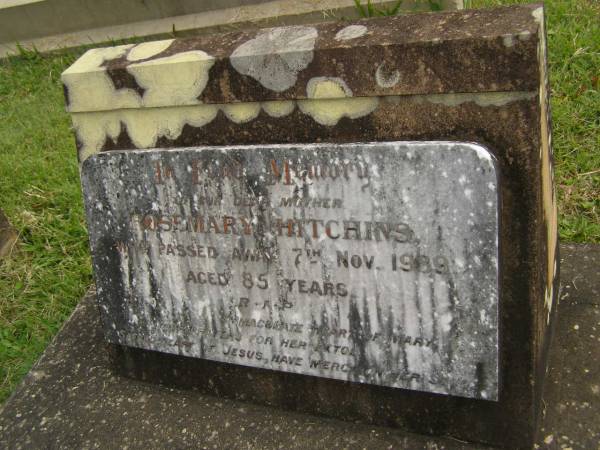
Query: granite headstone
[[349, 219]]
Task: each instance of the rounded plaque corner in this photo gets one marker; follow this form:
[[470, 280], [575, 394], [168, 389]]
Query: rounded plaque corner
[[89, 161], [482, 151]]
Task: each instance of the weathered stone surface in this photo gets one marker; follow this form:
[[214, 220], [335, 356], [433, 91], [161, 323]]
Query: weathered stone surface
[[475, 76], [521, 255], [373, 263], [72, 398], [502, 40], [323, 73]]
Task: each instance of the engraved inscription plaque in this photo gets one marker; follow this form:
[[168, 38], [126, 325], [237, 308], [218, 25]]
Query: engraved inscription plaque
[[372, 263]]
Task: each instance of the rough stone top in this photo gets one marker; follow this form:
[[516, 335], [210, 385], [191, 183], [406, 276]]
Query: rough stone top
[[485, 50]]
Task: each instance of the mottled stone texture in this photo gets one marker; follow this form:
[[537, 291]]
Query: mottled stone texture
[[371, 263], [472, 76]]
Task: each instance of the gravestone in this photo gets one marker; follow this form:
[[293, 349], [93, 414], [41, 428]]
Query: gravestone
[[354, 220]]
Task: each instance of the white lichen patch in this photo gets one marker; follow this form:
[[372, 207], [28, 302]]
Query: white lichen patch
[[330, 99], [241, 112], [275, 56], [278, 108], [148, 49], [386, 77], [174, 80], [351, 32]]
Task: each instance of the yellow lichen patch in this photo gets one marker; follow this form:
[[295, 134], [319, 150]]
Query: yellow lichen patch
[[508, 40], [89, 86], [241, 112], [330, 99], [538, 15], [148, 49], [145, 126], [550, 208], [167, 82], [548, 192], [325, 87], [480, 99], [92, 128], [174, 80], [278, 108], [524, 35], [93, 59]]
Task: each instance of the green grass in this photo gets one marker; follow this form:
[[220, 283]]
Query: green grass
[[39, 191], [39, 181], [369, 9], [574, 61]]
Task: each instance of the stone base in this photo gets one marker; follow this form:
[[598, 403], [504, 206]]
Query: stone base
[[73, 399]]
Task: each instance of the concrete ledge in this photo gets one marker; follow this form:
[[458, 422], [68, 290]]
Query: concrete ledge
[[73, 399], [93, 22]]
